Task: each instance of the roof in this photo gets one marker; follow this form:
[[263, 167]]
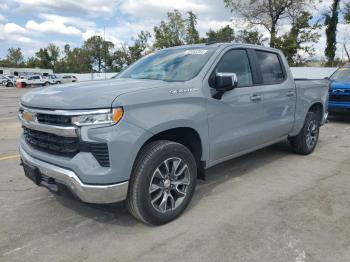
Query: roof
[[217, 45]]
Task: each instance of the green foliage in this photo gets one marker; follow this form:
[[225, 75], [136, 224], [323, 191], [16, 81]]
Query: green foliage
[[298, 38], [97, 50], [74, 60], [192, 35], [14, 58], [43, 57], [170, 33], [250, 37], [224, 34], [331, 23], [140, 44], [265, 12], [347, 13], [54, 53]]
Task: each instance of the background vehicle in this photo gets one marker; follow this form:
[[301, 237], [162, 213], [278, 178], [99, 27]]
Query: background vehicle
[[68, 79], [6, 81], [339, 93], [35, 80], [148, 134], [53, 79]]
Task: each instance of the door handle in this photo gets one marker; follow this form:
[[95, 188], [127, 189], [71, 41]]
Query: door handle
[[290, 93], [255, 98]]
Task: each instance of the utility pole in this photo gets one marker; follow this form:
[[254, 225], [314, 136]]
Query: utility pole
[[347, 53], [105, 51]]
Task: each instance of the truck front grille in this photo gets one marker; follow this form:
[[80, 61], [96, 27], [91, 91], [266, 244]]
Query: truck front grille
[[59, 120], [339, 98], [65, 146]]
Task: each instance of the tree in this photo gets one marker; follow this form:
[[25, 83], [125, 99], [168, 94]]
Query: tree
[[298, 37], [347, 13], [121, 58], [224, 34], [32, 62], [140, 44], [14, 57], [170, 33], [192, 35], [54, 53], [43, 58], [250, 37], [331, 23], [75, 60], [264, 12], [97, 51]]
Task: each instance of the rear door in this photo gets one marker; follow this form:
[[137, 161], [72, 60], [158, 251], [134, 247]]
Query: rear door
[[278, 95]]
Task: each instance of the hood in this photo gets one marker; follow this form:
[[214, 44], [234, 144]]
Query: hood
[[85, 95]]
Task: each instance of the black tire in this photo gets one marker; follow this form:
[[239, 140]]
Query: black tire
[[150, 159], [301, 143], [9, 84], [47, 84]]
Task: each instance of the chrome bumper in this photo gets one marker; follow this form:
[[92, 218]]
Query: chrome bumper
[[98, 194]]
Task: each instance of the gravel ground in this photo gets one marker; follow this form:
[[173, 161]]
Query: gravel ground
[[271, 205]]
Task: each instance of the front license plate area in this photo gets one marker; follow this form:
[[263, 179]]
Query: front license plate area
[[32, 173]]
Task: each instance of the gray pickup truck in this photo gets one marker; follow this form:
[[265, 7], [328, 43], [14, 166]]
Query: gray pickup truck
[[147, 135]]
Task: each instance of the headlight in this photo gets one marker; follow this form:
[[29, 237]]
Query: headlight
[[110, 118]]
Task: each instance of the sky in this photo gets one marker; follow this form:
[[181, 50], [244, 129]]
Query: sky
[[33, 24]]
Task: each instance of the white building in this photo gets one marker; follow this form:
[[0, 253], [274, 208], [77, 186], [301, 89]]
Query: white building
[[25, 71]]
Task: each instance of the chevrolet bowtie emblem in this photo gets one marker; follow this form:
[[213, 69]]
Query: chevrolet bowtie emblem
[[29, 117]]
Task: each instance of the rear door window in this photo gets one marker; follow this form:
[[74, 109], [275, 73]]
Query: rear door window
[[270, 67]]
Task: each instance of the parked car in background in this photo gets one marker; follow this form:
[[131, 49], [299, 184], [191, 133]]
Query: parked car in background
[[13, 78], [53, 79], [339, 93], [7, 81], [68, 79], [35, 80], [146, 136]]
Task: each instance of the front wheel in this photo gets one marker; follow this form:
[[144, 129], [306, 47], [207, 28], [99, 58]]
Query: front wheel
[[163, 182], [305, 142]]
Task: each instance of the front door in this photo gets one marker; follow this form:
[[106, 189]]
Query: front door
[[236, 120]]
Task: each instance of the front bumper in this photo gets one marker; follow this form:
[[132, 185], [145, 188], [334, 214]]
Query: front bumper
[[98, 194]]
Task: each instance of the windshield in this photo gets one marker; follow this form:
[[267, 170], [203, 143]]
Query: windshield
[[341, 75], [170, 64]]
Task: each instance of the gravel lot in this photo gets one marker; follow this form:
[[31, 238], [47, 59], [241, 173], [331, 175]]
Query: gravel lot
[[271, 205]]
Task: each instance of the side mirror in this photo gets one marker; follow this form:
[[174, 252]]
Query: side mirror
[[225, 82]]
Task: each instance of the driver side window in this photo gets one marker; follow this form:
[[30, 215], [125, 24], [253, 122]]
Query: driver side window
[[236, 61]]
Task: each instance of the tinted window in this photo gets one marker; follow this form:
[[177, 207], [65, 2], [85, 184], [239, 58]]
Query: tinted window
[[35, 77], [341, 75], [236, 61], [270, 67]]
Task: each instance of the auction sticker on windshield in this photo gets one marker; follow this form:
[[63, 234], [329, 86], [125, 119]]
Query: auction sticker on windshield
[[196, 52]]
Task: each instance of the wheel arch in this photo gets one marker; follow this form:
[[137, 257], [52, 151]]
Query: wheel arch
[[317, 108], [187, 136]]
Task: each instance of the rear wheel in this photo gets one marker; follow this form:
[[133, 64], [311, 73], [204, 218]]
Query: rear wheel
[[47, 84], [305, 142], [9, 84], [163, 182]]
